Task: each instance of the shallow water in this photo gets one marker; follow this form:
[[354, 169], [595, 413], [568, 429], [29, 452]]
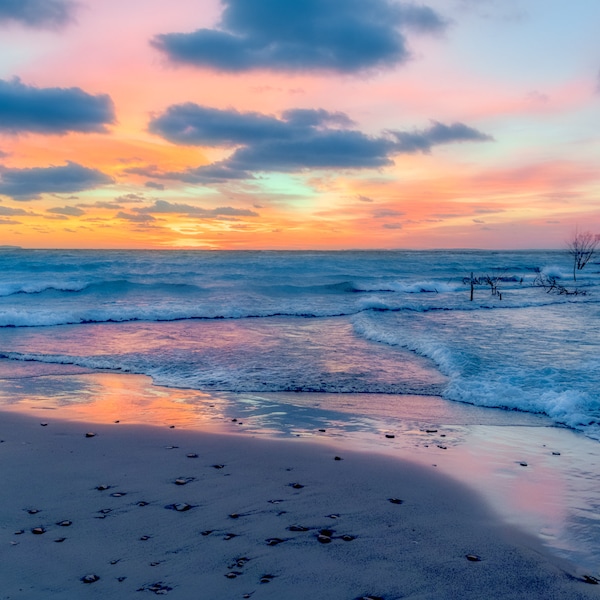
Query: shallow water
[[335, 322]]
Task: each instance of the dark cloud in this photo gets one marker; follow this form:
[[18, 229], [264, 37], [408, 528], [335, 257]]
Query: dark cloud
[[130, 199], [37, 13], [29, 184], [306, 117], [26, 108], [9, 222], [137, 218], [438, 133], [164, 207], [6, 211], [154, 185], [192, 124], [331, 35], [364, 198], [101, 204], [3, 154], [219, 172], [300, 139], [392, 225], [67, 211]]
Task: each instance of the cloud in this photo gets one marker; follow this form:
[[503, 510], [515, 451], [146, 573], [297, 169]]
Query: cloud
[[4, 154], [300, 139], [154, 185], [364, 198], [164, 207], [29, 184], [137, 218], [9, 222], [130, 199], [101, 204], [392, 225], [37, 13], [26, 108], [191, 124], [68, 211], [438, 133], [6, 211], [384, 213], [346, 36]]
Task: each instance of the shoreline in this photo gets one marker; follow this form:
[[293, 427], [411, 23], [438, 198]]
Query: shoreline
[[120, 497], [554, 497]]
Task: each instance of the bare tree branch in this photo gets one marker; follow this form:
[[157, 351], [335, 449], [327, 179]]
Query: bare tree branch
[[582, 247]]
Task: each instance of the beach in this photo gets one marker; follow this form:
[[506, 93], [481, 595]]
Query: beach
[[170, 423], [104, 507]]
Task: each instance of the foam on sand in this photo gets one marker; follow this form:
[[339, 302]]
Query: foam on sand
[[108, 510]]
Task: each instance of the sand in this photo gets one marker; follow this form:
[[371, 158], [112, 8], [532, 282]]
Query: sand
[[132, 511]]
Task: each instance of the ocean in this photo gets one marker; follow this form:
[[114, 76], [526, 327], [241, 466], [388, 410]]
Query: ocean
[[371, 324]]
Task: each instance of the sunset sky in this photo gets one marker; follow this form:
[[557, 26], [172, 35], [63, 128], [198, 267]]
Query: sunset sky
[[276, 124]]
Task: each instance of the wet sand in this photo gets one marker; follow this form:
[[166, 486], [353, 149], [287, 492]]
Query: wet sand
[[94, 508]]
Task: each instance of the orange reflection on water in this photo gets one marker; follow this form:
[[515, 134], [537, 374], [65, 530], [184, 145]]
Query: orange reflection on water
[[108, 398]]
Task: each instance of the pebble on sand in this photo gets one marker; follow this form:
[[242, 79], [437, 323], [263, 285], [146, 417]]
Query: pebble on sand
[[183, 480], [90, 434], [395, 500], [91, 578], [274, 541], [473, 557], [324, 536], [179, 507], [38, 530]]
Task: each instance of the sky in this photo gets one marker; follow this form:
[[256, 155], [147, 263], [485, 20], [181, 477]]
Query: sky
[[312, 124]]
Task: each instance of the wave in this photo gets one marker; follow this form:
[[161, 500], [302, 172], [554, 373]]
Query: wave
[[239, 378], [116, 287], [159, 309], [11, 289], [568, 396]]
